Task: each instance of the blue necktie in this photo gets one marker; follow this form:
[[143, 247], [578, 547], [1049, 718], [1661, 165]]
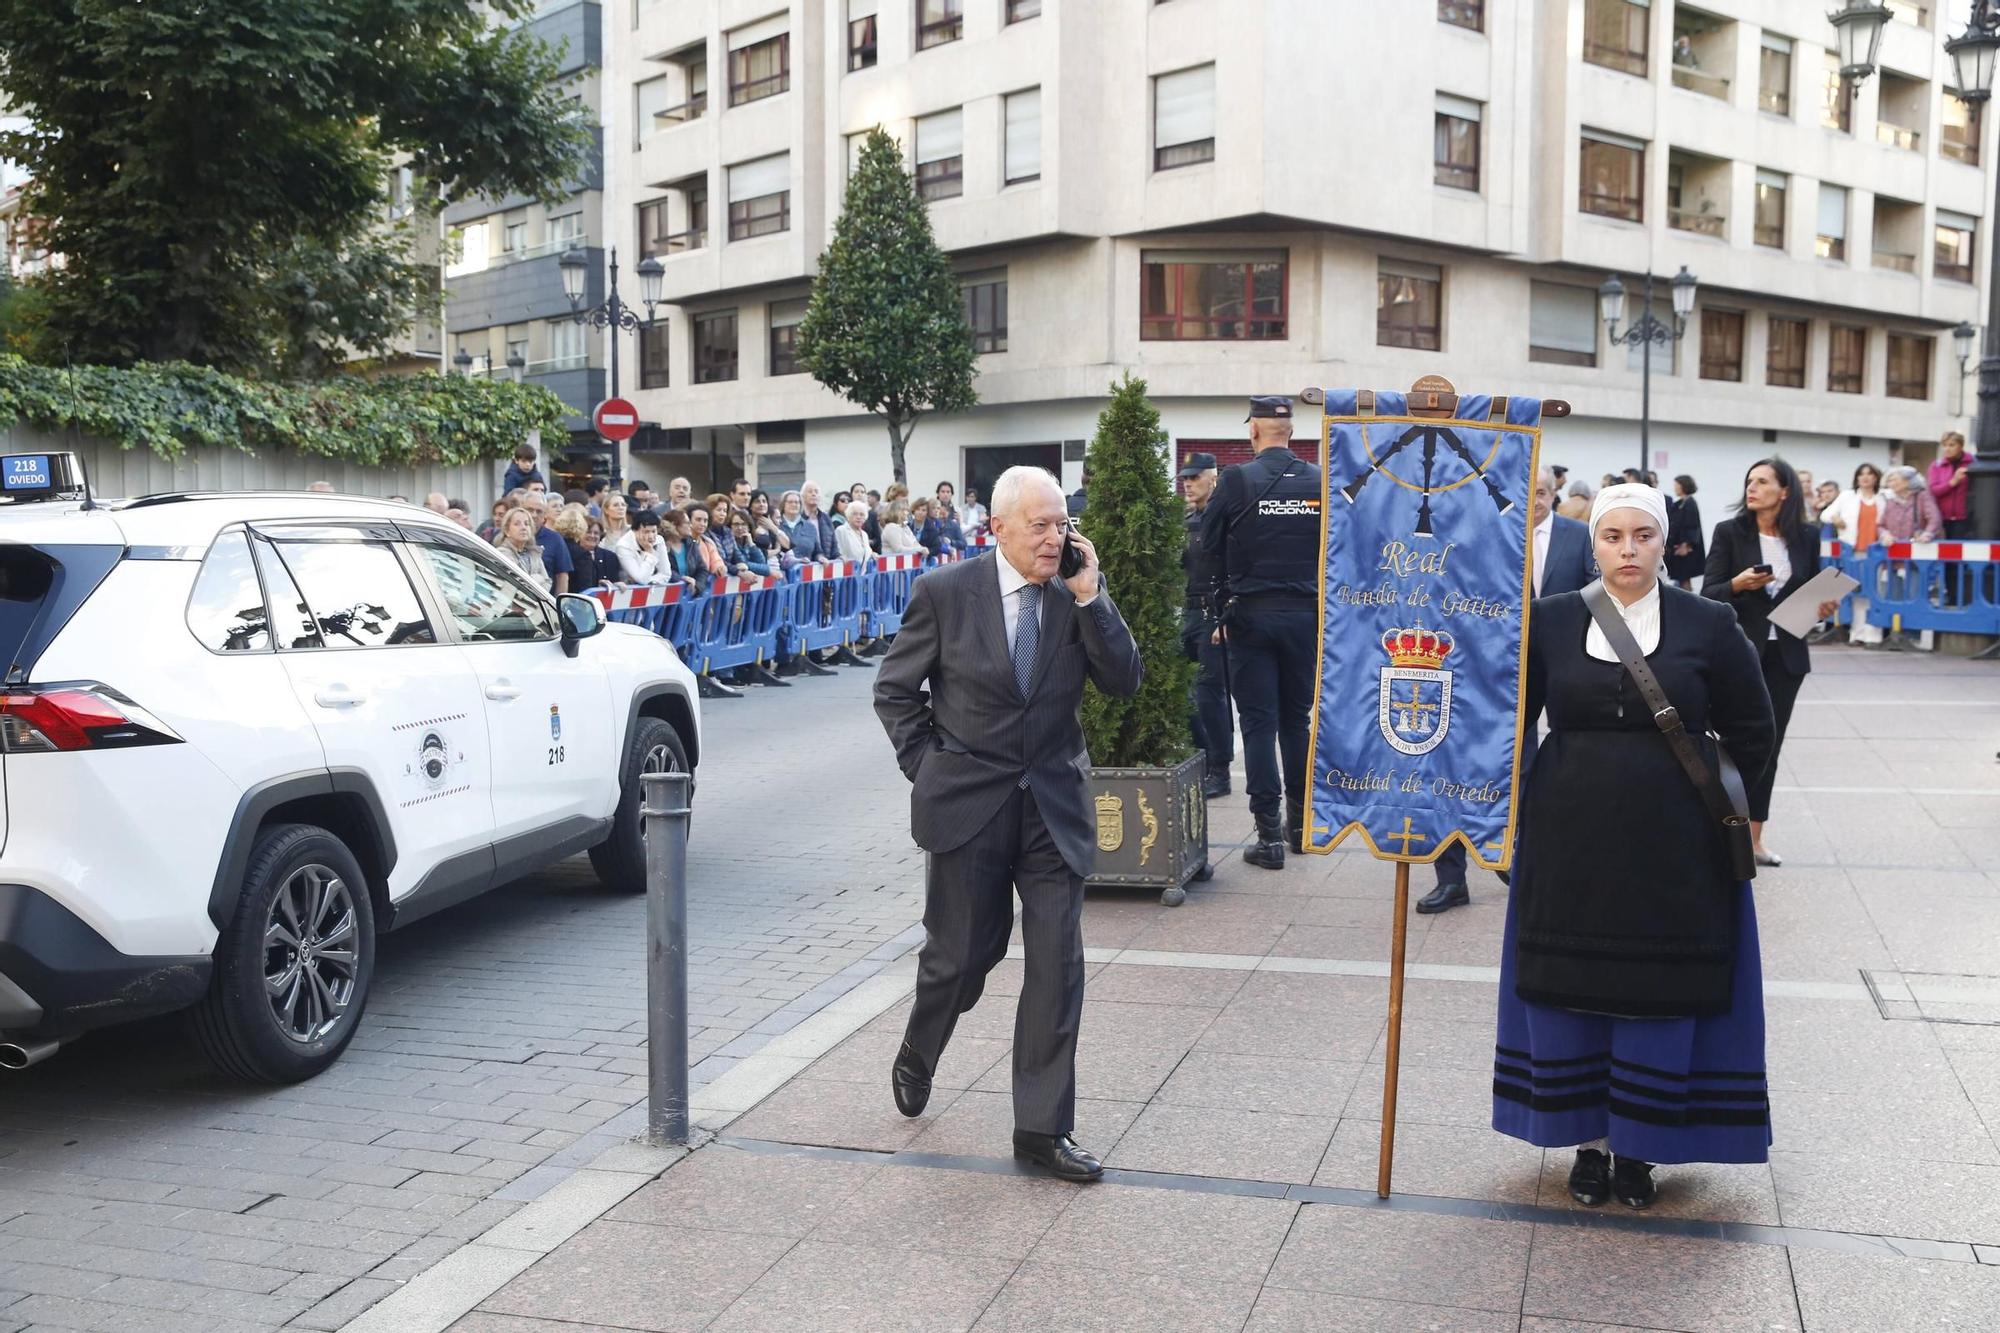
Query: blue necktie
[[1027, 635]]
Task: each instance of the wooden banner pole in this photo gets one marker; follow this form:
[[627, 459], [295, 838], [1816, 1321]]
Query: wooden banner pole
[[1399, 942]]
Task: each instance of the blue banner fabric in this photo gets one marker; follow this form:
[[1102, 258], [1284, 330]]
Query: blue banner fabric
[[1424, 587]]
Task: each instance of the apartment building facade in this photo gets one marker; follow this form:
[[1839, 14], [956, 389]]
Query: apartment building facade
[[504, 304], [1232, 197]]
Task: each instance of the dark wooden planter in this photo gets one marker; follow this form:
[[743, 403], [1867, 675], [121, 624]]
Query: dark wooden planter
[[1152, 828]]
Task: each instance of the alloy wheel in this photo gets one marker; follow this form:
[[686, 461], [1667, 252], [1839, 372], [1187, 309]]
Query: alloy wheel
[[311, 953]]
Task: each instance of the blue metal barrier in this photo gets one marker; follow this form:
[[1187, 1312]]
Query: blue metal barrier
[[736, 625], [1946, 587]]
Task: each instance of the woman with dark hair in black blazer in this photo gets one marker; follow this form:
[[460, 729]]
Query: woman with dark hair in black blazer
[[1756, 560], [1686, 551]]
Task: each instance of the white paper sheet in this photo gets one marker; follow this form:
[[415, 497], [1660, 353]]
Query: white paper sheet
[[1797, 614]]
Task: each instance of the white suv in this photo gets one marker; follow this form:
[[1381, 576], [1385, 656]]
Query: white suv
[[242, 734]]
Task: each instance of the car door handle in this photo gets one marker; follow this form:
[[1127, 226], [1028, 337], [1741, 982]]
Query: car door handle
[[502, 691], [338, 696]]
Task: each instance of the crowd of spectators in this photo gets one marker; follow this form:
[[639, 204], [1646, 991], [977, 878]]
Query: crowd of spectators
[[598, 537]]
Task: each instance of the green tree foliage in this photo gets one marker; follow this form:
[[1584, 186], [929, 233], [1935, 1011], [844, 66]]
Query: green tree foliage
[[1133, 518], [886, 328], [215, 173], [168, 408]]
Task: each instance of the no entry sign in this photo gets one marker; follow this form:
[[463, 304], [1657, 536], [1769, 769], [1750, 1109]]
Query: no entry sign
[[616, 419]]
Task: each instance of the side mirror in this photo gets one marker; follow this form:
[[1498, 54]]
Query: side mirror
[[581, 617]]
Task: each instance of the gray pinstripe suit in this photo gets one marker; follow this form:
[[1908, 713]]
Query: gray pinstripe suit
[[966, 745]]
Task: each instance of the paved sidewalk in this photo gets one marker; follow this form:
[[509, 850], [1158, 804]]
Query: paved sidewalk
[[1230, 1072]]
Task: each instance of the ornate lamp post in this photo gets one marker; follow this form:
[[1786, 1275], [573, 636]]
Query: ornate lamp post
[[1962, 340], [1857, 25], [1973, 54], [612, 313], [1646, 331]]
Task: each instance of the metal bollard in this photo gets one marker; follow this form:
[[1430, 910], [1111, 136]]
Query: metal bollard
[[665, 812]]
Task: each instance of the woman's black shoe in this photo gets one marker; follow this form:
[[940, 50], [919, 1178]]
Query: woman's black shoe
[[1590, 1178], [1632, 1182]]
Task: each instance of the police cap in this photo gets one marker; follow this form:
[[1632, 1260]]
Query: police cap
[[1271, 405], [1196, 465]]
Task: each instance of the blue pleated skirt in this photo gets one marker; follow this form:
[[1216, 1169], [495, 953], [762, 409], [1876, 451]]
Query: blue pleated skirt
[[1661, 1089]]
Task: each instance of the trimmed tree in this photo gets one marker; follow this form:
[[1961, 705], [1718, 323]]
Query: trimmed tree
[[886, 328], [1134, 519], [216, 175]]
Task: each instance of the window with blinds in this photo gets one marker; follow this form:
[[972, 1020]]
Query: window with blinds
[[715, 347], [1023, 149], [1184, 118], [1952, 254], [785, 318], [1767, 224], [1562, 324], [1831, 239], [938, 22], [760, 197], [760, 60], [1221, 295], [941, 155], [1615, 34], [1722, 345], [1846, 359], [1785, 356], [1774, 74], [1409, 305], [1613, 176], [861, 33], [1909, 366], [1455, 149]]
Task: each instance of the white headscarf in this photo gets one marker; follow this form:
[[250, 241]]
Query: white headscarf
[[1629, 495]]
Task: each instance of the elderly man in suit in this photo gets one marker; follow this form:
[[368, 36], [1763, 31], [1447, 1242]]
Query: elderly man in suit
[[1561, 550], [994, 752]]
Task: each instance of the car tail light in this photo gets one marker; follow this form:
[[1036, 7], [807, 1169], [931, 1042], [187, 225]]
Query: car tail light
[[75, 715]]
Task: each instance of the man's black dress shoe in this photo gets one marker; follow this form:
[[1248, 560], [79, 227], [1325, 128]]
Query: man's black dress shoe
[[1057, 1153], [1214, 785], [1590, 1178], [1443, 898], [1632, 1182], [911, 1082]]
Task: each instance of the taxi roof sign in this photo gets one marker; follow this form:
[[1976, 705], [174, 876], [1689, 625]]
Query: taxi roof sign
[[41, 475]]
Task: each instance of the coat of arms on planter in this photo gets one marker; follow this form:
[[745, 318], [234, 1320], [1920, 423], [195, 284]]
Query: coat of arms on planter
[[1110, 822]]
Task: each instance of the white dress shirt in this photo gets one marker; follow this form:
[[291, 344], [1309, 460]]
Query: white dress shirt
[[1543, 530], [1012, 581], [1642, 618]]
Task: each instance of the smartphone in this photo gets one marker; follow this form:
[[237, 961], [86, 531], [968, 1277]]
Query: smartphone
[[1071, 563], [1760, 569]]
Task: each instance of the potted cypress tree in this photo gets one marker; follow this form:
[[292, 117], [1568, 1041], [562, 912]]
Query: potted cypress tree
[[1145, 789]]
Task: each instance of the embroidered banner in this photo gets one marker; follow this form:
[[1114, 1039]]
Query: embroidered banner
[[1424, 587]]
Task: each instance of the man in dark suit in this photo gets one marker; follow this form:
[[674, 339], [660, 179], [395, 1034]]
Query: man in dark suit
[[995, 755], [1560, 548]]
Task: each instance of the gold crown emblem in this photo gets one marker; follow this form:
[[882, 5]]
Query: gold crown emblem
[[1417, 647]]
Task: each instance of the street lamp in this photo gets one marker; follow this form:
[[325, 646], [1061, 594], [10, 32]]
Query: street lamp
[[1644, 333], [517, 366], [1972, 55], [1857, 26], [612, 313], [463, 363]]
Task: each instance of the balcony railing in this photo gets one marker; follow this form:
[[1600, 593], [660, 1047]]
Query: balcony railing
[[556, 364], [1699, 81], [1898, 137], [1896, 260], [1959, 150], [691, 109], [678, 242], [1703, 224]]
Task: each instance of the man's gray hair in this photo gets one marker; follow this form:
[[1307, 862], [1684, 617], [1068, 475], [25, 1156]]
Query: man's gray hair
[[1007, 490]]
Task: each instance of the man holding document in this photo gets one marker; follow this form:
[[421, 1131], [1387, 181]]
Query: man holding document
[[1757, 562]]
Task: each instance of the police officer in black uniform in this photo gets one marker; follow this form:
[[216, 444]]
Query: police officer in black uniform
[[1262, 530], [1214, 726]]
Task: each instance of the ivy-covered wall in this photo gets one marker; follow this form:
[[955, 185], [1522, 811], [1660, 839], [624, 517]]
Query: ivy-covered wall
[[411, 421]]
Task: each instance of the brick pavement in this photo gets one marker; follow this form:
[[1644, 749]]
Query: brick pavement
[[504, 1045], [1229, 1071]]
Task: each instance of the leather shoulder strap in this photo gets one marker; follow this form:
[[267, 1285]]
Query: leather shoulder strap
[[1727, 806]]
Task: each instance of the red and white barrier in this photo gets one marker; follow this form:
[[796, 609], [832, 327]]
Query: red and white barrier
[[897, 564], [813, 572], [1963, 552], [741, 583], [627, 597]]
